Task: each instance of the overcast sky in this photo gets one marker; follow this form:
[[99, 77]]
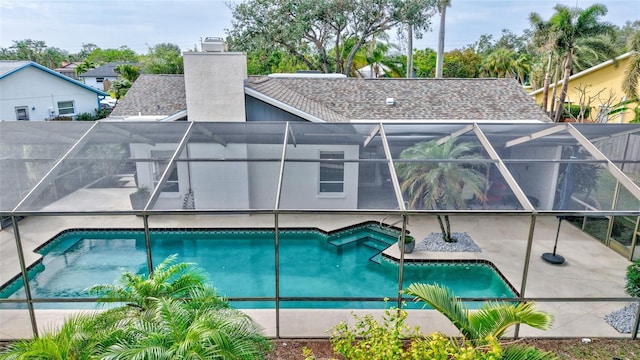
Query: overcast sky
[[139, 24]]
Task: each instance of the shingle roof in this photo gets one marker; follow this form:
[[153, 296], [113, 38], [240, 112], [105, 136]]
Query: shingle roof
[[347, 99], [105, 70], [153, 95]]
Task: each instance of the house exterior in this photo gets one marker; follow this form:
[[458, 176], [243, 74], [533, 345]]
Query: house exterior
[[29, 91], [215, 87], [68, 69], [599, 87], [101, 77]]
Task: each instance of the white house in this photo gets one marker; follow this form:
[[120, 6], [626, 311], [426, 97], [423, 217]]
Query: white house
[[29, 91], [101, 77]]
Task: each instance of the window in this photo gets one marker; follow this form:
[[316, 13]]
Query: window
[[99, 79], [65, 108], [22, 113], [172, 185], [331, 172]]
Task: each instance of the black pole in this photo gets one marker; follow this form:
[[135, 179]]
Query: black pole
[[553, 258]]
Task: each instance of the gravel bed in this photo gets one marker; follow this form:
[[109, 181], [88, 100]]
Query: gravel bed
[[622, 320], [434, 242]]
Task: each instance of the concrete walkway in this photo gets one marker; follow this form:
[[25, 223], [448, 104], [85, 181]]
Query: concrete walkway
[[591, 269]]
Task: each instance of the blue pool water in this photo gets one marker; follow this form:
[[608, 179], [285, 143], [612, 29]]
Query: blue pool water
[[240, 263]]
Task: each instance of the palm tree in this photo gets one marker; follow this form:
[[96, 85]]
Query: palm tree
[[505, 63], [571, 26], [174, 315], [168, 280], [435, 182], [198, 329], [632, 71], [442, 8], [486, 324]]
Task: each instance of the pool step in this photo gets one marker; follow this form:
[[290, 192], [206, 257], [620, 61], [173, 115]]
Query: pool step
[[377, 258], [347, 239], [376, 244]]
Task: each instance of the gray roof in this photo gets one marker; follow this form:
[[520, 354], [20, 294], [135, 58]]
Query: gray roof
[[153, 95], [10, 65], [347, 99], [105, 70]]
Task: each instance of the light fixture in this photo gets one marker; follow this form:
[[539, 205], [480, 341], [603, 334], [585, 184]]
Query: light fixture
[[33, 108]]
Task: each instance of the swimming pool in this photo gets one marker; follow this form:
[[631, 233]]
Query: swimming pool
[[240, 263]]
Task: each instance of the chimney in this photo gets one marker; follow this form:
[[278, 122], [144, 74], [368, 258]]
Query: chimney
[[214, 83]]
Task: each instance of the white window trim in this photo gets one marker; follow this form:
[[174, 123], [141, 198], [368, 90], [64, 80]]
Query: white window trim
[[341, 194], [73, 108]]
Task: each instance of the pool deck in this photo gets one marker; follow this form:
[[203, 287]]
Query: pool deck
[[591, 269]]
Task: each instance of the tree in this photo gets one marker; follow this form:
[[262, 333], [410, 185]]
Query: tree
[[119, 88], [165, 58], [489, 322], [434, 182], [631, 81], [442, 9], [569, 27], [128, 72], [168, 280], [102, 56], [505, 63], [312, 30], [173, 314]]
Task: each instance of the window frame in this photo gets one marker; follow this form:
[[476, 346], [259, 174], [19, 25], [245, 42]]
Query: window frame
[[63, 110], [333, 155], [26, 113]]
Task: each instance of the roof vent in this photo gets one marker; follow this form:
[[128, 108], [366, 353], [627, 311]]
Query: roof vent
[[391, 102], [213, 44]]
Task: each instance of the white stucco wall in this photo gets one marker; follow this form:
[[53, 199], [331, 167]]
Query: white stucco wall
[[40, 92], [251, 185], [534, 177], [214, 85], [93, 82]]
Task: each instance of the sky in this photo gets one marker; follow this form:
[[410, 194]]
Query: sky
[[140, 24]]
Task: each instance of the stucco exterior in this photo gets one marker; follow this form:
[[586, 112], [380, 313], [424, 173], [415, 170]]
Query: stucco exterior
[[40, 92], [214, 85], [602, 84]]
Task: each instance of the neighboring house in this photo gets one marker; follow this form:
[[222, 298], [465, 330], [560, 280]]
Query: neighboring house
[[101, 77], [599, 87], [68, 69], [153, 97], [29, 91]]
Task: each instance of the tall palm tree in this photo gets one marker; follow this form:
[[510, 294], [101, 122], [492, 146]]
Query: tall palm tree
[[442, 8], [489, 322], [632, 71], [570, 27], [435, 183]]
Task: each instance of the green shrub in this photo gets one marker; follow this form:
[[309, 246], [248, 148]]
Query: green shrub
[[103, 113], [633, 279], [573, 112], [85, 117]]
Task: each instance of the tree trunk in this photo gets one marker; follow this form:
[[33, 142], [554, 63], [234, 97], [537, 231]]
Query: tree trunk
[[552, 109], [545, 86], [565, 84], [440, 56], [442, 229], [410, 52], [448, 226]]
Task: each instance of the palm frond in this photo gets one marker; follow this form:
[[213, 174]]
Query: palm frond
[[519, 352], [495, 318], [445, 302]]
